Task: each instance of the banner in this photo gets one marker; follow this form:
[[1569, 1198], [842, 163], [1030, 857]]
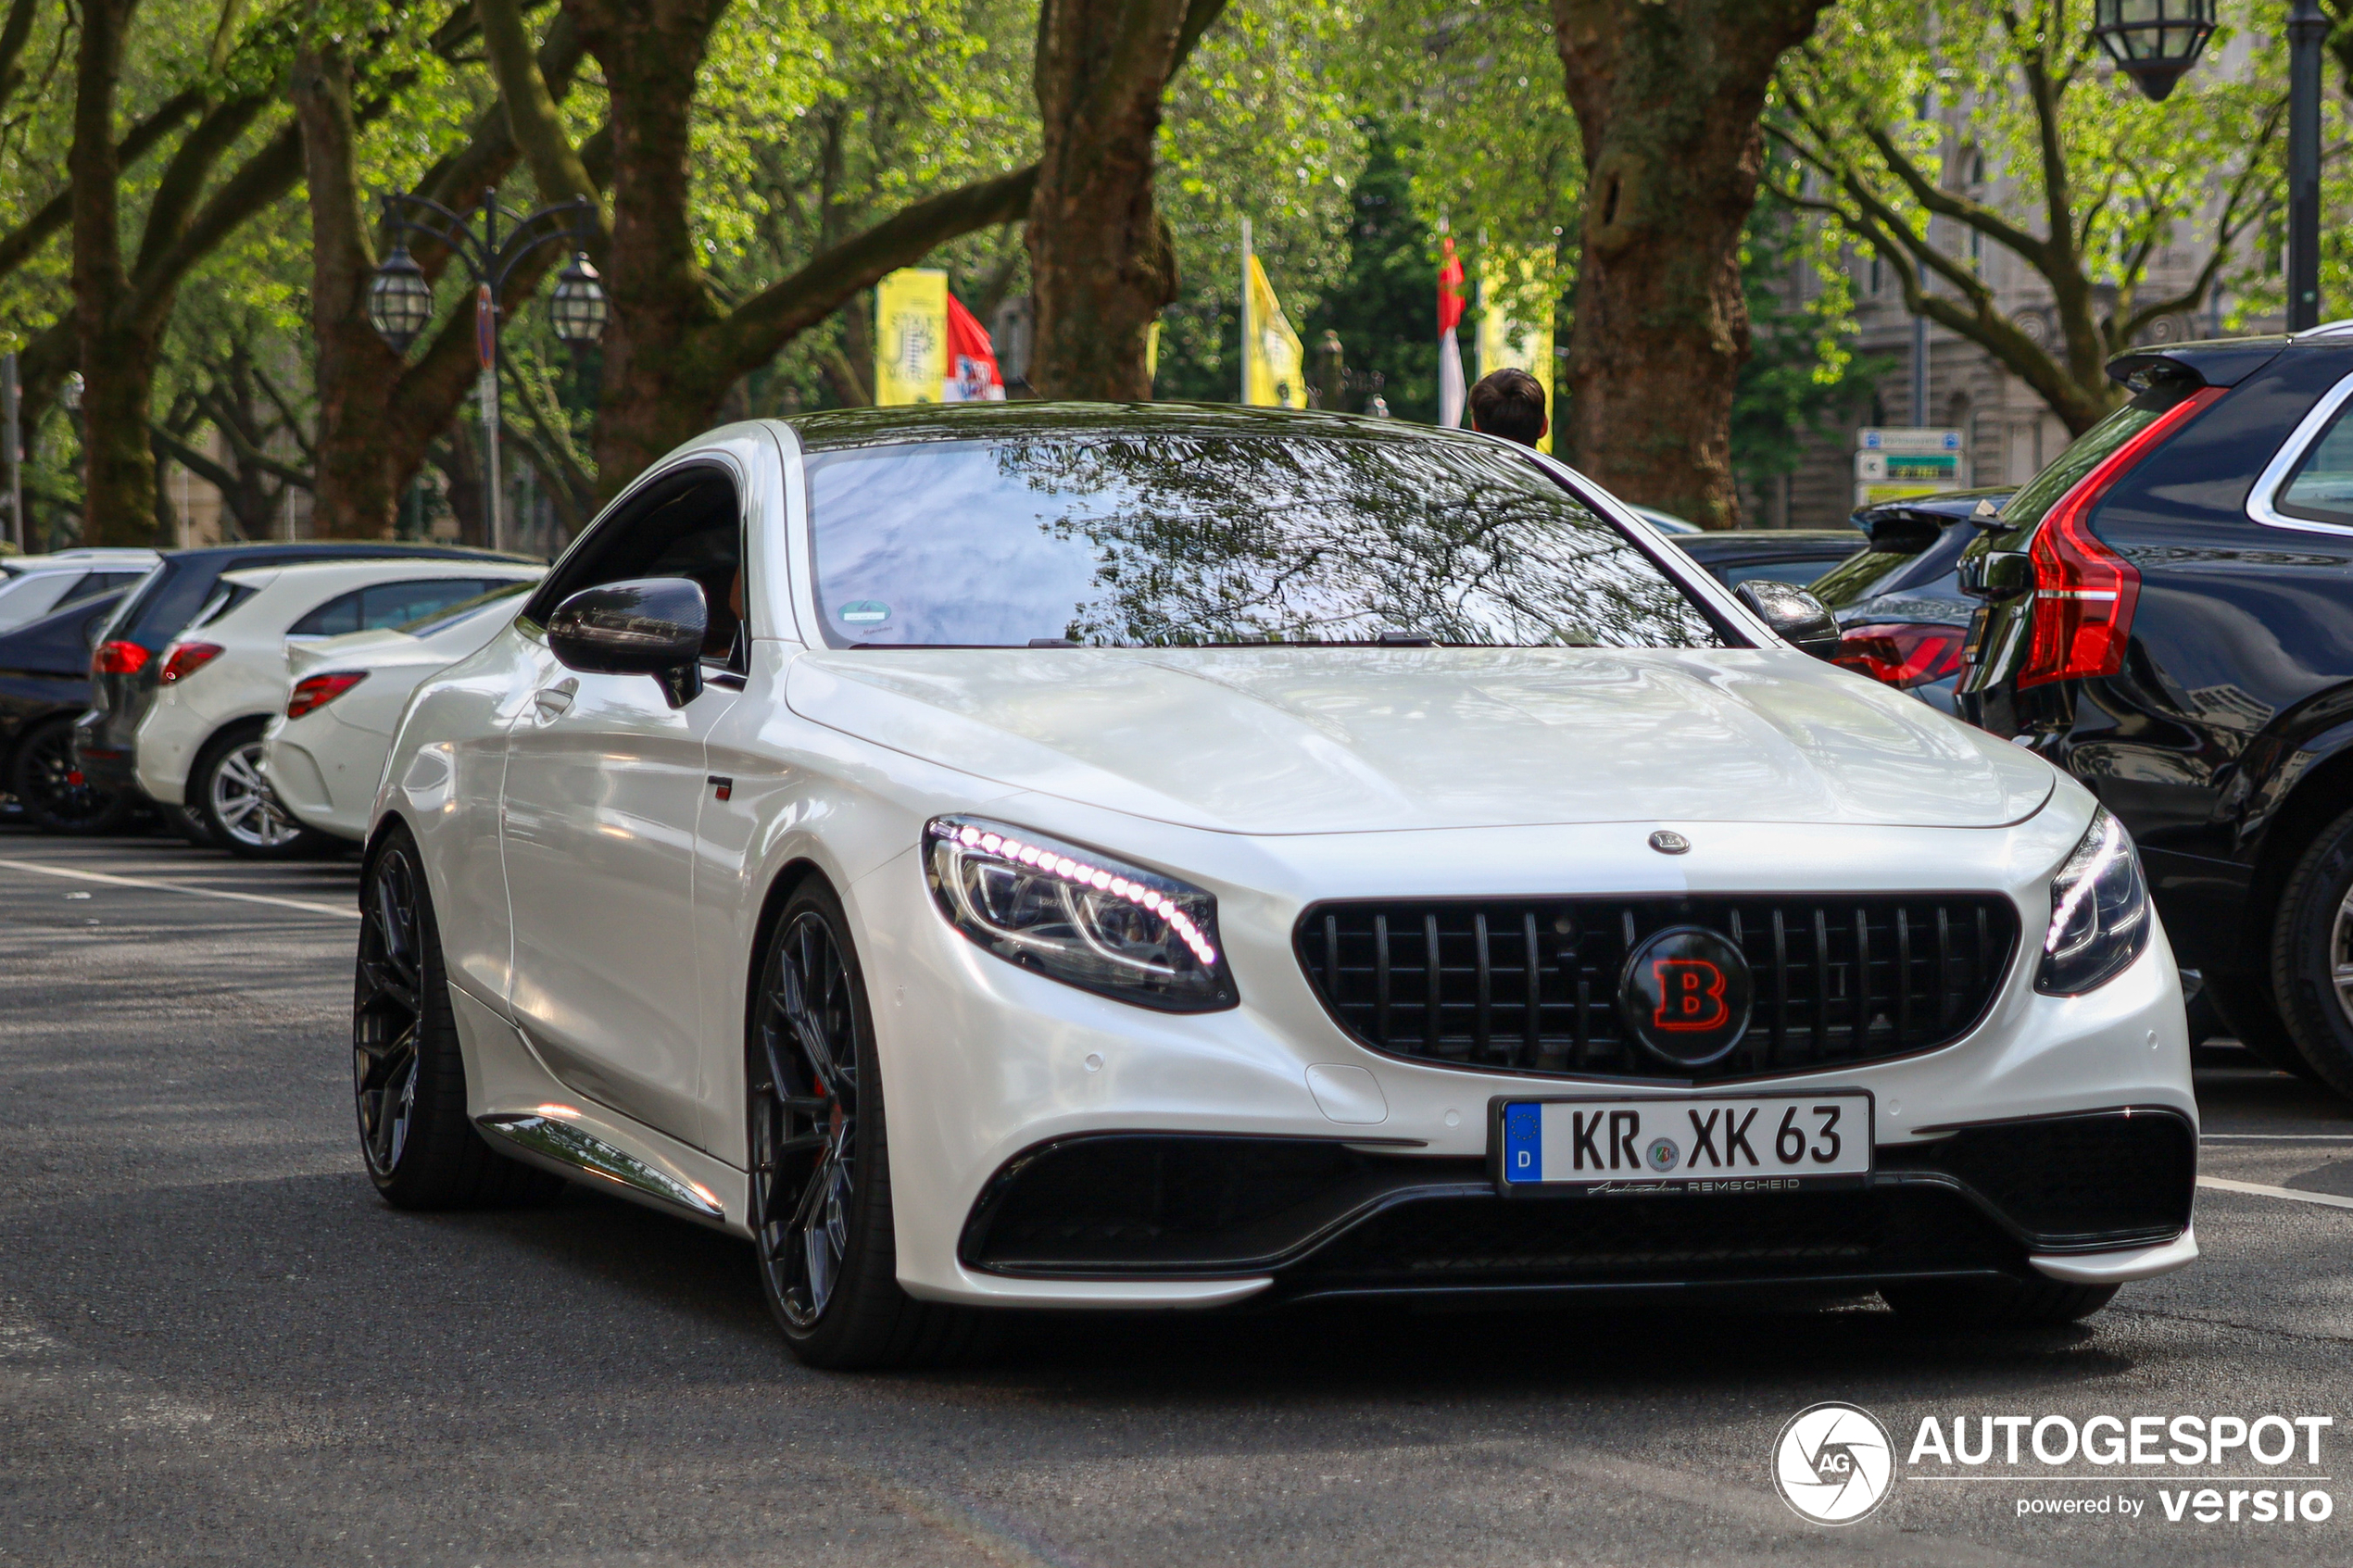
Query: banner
[[1450, 354], [1506, 342], [910, 336], [1274, 370], [972, 376]]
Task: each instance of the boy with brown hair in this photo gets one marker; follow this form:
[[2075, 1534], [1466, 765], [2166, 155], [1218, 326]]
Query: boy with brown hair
[[1509, 403]]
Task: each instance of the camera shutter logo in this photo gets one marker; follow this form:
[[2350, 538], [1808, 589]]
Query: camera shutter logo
[[1833, 1463]]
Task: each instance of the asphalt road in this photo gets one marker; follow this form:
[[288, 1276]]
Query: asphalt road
[[217, 1346]]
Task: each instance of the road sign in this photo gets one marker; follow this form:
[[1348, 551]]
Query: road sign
[[1893, 463]]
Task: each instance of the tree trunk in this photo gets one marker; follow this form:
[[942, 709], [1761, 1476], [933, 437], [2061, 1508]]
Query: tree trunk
[[119, 471], [652, 51], [670, 353], [1102, 263], [379, 414], [1666, 95], [359, 492]]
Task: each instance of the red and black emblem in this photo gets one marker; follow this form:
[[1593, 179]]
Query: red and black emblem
[[1685, 996]]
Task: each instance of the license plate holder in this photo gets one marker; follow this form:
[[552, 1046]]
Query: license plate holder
[[1562, 1144]]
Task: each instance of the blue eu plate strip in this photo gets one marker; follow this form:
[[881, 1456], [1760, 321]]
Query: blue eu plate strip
[[1523, 1143]]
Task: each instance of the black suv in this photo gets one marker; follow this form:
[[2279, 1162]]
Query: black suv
[[124, 667], [2168, 614], [1901, 612]]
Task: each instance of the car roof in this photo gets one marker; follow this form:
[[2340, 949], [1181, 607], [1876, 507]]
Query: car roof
[[393, 567], [227, 555]]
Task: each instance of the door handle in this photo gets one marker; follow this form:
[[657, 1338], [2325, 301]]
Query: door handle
[[551, 701]]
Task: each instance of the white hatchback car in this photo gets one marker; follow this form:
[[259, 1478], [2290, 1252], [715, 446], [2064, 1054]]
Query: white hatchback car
[[325, 754], [32, 586], [199, 746], [1067, 856]]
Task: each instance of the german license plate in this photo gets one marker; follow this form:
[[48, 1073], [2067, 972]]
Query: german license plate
[[1720, 1144]]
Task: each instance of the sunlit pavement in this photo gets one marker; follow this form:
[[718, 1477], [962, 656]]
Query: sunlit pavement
[[217, 1346]]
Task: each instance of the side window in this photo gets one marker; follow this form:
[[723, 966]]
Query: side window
[[390, 604], [226, 596], [2321, 490], [333, 618], [690, 525]]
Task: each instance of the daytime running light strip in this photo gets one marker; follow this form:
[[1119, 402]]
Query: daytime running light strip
[[1091, 876], [2112, 836]]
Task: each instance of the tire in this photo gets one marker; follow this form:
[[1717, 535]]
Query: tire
[[51, 788], [820, 1156], [1960, 1305], [237, 806], [2245, 1005], [408, 1076], [2311, 947]]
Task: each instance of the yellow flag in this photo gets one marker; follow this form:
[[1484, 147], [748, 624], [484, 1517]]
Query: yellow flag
[[910, 336], [1504, 342], [1277, 367]]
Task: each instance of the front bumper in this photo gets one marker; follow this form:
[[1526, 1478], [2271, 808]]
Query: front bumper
[[1320, 1218], [989, 1068]]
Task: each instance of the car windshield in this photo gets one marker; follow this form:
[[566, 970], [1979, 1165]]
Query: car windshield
[[449, 615], [1183, 538]]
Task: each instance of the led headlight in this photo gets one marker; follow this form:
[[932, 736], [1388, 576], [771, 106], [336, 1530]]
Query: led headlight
[[1078, 916], [2100, 918]]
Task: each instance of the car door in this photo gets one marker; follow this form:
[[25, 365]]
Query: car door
[[604, 781]]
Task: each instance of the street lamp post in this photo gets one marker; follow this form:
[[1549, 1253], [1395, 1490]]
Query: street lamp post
[[2154, 42], [2307, 29], [400, 300]]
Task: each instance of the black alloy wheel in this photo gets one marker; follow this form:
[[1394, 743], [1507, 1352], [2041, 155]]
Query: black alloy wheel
[[2312, 954], [821, 1213], [1963, 1305], [409, 1074], [50, 785]]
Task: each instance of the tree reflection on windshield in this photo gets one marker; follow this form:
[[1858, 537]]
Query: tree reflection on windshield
[[1185, 538]]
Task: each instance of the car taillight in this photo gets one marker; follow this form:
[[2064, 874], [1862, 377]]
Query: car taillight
[[118, 658], [2084, 593], [186, 659], [1901, 653], [314, 692]]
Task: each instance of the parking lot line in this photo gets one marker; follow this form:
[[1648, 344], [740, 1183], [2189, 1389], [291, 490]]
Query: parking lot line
[[2224, 1184], [39, 870]]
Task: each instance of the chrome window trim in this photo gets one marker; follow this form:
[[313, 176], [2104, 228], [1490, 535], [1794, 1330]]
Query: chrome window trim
[[2261, 497]]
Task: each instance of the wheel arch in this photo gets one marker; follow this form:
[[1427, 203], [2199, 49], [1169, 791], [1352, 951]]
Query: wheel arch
[[787, 880], [2310, 787]]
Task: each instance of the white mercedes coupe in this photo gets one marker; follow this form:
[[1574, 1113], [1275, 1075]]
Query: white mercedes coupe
[[1043, 856]]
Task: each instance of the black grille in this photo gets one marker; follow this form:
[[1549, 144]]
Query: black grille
[[1472, 1241], [2102, 1179], [1532, 986]]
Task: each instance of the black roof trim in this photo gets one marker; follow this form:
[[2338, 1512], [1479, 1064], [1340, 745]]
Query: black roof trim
[[2216, 362]]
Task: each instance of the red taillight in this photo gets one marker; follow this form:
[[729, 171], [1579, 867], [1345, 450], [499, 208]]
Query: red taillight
[[118, 659], [186, 659], [314, 692], [2084, 593], [1901, 653]]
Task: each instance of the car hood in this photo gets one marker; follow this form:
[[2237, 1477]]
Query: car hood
[[1269, 740]]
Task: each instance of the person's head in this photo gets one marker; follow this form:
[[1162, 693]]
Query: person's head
[[1509, 403]]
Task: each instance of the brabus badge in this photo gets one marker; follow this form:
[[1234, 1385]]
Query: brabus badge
[[1667, 843], [1685, 996]]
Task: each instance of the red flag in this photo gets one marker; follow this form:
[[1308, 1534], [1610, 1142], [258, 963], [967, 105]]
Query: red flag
[[1450, 290], [972, 376]]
